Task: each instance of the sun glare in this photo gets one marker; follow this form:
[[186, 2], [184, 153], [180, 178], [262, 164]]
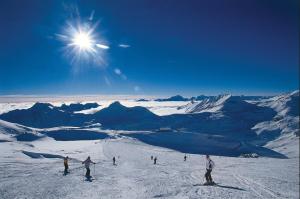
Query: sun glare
[[83, 41], [83, 44]]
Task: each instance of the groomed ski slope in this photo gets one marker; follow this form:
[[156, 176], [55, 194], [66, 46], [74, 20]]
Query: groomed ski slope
[[135, 176]]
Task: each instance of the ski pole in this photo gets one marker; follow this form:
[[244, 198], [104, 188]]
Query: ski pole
[[83, 174], [94, 171]]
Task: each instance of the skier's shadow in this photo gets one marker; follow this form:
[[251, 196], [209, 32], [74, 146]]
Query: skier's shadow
[[222, 186], [230, 187]]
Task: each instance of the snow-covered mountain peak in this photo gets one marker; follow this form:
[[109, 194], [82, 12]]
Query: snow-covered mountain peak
[[285, 104], [295, 93], [221, 99], [212, 104]]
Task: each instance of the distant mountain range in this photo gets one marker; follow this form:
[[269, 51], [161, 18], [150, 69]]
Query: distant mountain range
[[173, 98], [223, 117], [78, 107], [177, 98], [224, 114]]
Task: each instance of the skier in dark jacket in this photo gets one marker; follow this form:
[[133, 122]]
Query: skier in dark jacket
[[66, 164], [87, 163], [184, 158], [155, 159], [209, 167], [114, 160]]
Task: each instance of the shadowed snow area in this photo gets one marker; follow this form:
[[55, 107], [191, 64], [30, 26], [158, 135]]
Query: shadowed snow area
[[41, 155], [75, 134], [203, 144]]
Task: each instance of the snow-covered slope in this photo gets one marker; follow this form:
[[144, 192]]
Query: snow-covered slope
[[282, 132], [222, 103], [11, 131], [36, 171], [285, 104], [211, 104]]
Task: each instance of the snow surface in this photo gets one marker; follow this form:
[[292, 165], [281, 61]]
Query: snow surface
[[135, 176]]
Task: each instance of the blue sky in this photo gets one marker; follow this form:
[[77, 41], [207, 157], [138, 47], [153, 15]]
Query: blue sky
[[155, 47]]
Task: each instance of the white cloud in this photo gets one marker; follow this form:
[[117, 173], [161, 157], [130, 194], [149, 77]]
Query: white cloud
[[102, 46], [124, 45], [136, 88], [118, 71], [92, 15]]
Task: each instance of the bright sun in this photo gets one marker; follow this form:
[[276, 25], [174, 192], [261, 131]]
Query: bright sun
[[83, 41]]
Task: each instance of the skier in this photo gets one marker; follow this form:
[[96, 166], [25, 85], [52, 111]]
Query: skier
[[66, 164], [87, 163], [114, 160], [209, 167], [151, 157], [184, 157], [155, 159]]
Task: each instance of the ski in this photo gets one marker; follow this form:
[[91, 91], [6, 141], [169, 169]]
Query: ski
[[209, 184], [89, 179], [206, 184]]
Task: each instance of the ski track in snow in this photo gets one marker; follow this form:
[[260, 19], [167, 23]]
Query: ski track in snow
[[257, 186]]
